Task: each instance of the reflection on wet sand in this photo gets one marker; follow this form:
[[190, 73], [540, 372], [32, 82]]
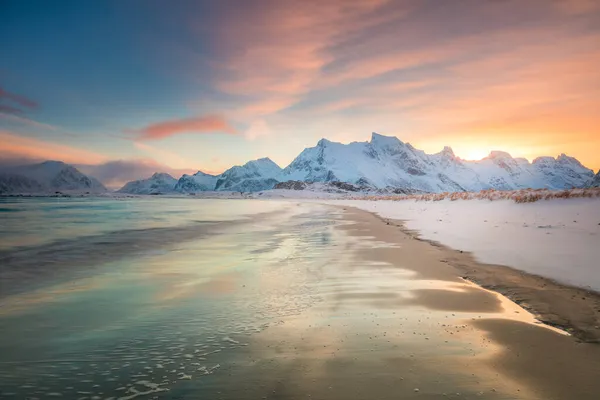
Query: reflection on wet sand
[[311, 302], [398, 322]]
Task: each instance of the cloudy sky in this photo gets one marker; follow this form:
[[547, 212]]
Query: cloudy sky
[[137, 85]]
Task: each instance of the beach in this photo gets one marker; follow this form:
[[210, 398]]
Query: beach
[[286, 300]]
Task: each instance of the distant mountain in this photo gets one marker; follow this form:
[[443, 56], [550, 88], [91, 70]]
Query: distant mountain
[[387, 163], [261, 174], [595, 181], [253, 176], [564, 172], [159, 183], [199, 182], [382, 162], [47, 177]]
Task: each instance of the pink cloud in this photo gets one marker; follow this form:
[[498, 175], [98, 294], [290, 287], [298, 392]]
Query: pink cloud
[[18, 102], [421, 71], [203, 125], [14, 146], [576, 7], [285, 48]]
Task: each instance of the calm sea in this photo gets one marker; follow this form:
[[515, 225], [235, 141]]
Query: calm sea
[[105, 298]]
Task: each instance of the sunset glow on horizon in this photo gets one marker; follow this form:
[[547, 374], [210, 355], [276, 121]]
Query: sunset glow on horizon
[[203, 85]]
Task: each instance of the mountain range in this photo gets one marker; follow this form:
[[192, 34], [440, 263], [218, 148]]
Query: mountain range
[[383, 163], [386, 162]]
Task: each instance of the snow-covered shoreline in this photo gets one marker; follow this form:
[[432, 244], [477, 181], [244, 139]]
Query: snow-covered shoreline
[[557, 239]]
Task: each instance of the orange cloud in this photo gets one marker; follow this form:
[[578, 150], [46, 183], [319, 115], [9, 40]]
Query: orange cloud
[[14, 146], [284, 51], [576, 7], [205, 124], [425, 72]]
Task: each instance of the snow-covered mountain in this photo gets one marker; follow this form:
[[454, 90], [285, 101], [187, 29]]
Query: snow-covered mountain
[[595, 181], [46, 177], [563, 172], [388, 162], [261, 174], [199, 182], [253, 176], [158, 183], [382, 162]]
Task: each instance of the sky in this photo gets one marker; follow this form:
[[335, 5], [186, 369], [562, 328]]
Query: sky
[[128, 87]]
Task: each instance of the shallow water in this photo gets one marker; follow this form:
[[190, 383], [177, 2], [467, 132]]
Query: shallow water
[[34, 221], [234, 299], [157, 315]]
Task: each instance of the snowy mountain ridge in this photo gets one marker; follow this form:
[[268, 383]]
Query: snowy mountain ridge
[[253, 176], [387, 162], [158, 183], [47, 177], [595, 181]]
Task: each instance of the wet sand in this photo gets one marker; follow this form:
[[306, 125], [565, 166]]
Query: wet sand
[[397, 321], [316, 302], [575, 310]]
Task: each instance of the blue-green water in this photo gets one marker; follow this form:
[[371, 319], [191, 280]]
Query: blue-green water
[[33, 221], [173, 305], [157, 298]]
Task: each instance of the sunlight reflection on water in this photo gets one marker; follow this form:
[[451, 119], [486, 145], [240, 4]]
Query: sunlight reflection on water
[[140, 324]]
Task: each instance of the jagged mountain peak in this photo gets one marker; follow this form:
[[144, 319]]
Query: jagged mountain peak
[[446, 158], [161, 175], [565, 159], [255, 175], [572, 161], [497, 154], [386, 161], [263, 162], [447, 153], [448, 150], [198, 182], [158, 183], [543, 160], [562, 161], [324, 142], [200, 173], [380, 140], [595, 181]]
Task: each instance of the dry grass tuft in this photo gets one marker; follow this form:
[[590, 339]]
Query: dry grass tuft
[[518, 196]]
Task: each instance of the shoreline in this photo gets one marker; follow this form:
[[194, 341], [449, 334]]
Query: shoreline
[[572, 309], [395, 321], [304, 301]]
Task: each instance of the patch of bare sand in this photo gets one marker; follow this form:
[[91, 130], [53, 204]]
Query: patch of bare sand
[[397, 322], [572, 309], [551, 365], [555, 365]]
